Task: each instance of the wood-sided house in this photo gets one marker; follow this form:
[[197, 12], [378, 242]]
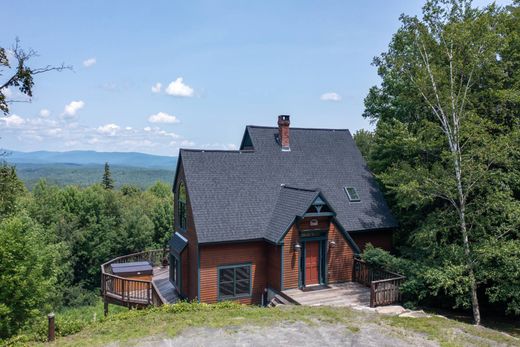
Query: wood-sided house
[[289, 209]]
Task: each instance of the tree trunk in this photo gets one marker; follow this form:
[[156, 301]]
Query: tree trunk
[[465, 240]]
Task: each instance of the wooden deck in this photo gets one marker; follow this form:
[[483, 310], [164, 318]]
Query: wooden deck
[[138, 292], [162, 283], [340, 294]]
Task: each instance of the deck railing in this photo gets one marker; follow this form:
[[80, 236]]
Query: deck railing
[[384, 285], [128, 291]]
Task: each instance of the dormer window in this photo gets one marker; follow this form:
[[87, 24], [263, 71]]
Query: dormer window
[[181, 205], [352, 194]]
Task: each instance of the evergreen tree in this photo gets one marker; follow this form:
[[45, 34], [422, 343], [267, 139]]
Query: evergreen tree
[[107, 182]]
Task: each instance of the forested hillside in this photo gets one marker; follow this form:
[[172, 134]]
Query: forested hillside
[[446, 150], [55, 238], [85, 175]]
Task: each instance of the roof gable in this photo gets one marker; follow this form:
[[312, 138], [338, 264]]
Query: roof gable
[[238, 195]]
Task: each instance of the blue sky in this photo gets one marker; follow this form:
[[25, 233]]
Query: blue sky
[[220, 65]]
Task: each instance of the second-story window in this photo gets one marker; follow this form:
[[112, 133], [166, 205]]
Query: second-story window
[[181, 203]]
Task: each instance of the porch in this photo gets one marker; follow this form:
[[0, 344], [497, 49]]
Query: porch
[[370, 287], [340, 294], [142, 291]]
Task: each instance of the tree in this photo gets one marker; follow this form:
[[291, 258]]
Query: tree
[[364, 139], [107, 182], [28, 272], [446, 135], [22, 75], [11, 189]]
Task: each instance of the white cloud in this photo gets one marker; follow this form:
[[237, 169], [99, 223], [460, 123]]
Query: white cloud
[[13, 121], [57, 133], [330, 97], [54, 132], [89, 62], [157, 87], [72, 108], [165, 133], [187, 143], [163, 117], [108, 129], [178, 88], [45, 113]]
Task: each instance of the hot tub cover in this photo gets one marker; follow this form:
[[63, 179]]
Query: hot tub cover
[[136, 268]]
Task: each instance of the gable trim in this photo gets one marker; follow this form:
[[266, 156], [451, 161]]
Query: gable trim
[[346, 235]]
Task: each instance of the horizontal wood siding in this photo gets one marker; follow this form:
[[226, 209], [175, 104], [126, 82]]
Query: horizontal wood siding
[[340, 258], [211, 257], [185, 267], [273, 265], [290, 259], [323, 223], [381, 239], [189, 277]]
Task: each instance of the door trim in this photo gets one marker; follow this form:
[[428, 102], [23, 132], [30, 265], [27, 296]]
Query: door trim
[[322, 261]]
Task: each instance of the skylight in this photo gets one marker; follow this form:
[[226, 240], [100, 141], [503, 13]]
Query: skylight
[[352, 194]]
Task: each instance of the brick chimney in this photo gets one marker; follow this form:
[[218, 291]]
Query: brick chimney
[[283, 132]]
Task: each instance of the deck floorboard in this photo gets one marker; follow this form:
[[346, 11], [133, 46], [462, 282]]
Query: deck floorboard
[[339, 294]]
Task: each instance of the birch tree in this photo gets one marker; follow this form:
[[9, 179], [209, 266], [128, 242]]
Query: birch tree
[[433, 73]]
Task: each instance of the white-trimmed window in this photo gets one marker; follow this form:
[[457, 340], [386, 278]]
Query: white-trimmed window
[[352, 194]]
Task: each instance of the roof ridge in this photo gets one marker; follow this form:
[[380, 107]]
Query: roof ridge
[[217, 150], [296, 128], [315, 190]]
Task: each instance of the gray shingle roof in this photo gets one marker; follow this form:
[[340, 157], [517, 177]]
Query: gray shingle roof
[[178, 243], [291, 203], [237, 195]]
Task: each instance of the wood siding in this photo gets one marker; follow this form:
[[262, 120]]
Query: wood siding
[[291, 259], [323, 223], [185, 268], [213, 256], [381, 239], [340, 258], [273, 255], [189, 279]]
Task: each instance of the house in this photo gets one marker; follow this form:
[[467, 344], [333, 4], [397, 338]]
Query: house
[[289, 209]]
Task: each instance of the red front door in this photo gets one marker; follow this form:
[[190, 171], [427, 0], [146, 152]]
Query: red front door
[[312, 261]]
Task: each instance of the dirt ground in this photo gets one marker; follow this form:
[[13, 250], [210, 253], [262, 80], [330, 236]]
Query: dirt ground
[[290, 334]]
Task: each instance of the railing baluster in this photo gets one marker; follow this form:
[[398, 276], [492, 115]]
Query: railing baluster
[[384, 285], [132, 291]]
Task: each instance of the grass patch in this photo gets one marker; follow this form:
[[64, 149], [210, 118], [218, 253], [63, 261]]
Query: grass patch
[[128, 326], [68, 321], [451, 333]]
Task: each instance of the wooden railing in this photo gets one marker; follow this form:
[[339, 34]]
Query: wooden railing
[[132, 292], [384, 285]]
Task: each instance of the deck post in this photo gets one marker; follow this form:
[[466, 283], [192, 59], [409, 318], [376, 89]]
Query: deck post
[[372, 295], [51, 333], [105, 306]]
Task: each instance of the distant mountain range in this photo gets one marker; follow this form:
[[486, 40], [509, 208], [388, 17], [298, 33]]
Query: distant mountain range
[[133, 159], [84, 168]]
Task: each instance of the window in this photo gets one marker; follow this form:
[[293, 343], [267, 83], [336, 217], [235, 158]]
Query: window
[[234, 281], [175, 267], [352, 194], [181, 203]]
